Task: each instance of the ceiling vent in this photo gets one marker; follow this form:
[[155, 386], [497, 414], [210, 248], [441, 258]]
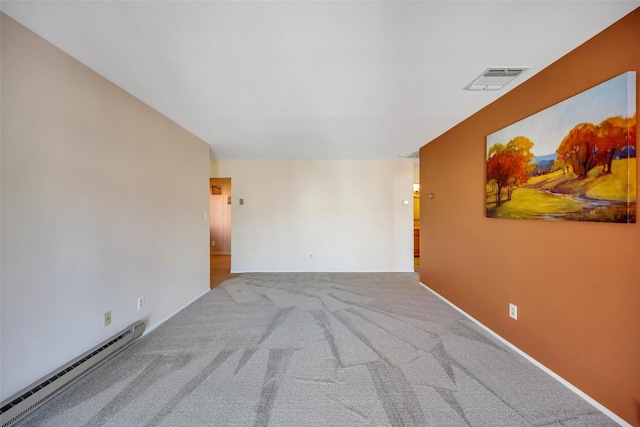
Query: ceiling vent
[[414, 155], [494, 78]]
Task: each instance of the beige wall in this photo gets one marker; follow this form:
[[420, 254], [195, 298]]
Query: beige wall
[[577, 285], [349, 213], [103, 200]]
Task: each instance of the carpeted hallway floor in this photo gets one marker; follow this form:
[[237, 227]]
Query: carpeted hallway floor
[[323, 349]]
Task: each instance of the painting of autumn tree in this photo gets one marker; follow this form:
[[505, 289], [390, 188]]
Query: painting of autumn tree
[[575, 160]]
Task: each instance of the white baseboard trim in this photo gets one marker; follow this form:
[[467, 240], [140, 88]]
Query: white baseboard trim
[[564, 382], [173, 313]]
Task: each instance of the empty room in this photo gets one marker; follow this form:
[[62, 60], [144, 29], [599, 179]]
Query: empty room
[[319, 213]]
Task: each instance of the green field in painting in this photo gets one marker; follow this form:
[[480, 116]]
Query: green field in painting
[[547, 196], [531, 203], [596, 185]]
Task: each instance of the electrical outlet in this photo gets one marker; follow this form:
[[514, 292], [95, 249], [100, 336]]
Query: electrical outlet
[[513, 311], [213, 243], [310, 254], [107, 318], [140, 303]]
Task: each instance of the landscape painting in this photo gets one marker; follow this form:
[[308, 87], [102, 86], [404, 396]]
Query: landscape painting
[[576, 160]]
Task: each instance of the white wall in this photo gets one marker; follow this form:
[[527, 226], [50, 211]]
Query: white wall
[[102, 201], [349, 213]]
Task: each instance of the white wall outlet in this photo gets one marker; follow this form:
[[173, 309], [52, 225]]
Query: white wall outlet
[[140, 303], [107, 318], [310, 254], [513, 311]]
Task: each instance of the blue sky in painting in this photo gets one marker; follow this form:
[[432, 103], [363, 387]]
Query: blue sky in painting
[[547, 128]]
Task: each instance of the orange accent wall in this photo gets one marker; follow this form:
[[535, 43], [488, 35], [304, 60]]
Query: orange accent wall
[[576, 284]]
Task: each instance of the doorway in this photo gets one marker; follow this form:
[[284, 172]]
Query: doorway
[[220, 230], [416, 216]]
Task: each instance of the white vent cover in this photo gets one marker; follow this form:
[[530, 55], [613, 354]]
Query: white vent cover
[[27, 400], [494, 78]]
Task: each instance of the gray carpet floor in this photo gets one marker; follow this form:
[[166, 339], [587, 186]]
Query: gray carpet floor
[[318, 349]]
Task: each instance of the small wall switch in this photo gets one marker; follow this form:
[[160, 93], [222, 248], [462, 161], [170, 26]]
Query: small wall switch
[[241, 201], [107, 318], [513, 311], [213, 243], [140, 303]]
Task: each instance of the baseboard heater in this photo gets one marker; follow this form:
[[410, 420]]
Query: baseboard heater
[[27, 400]]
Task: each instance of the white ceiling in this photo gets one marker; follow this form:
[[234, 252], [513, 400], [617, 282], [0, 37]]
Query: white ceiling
[[314, 80]]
